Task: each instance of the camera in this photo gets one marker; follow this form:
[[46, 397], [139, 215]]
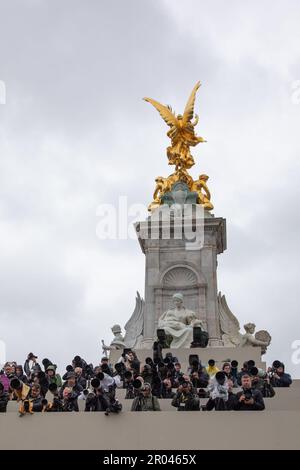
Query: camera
[[248, 394]]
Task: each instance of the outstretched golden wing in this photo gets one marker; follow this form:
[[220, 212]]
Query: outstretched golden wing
[[165, 112], [189, 109]]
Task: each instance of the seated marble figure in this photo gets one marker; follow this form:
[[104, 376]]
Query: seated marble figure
[[178, 323]]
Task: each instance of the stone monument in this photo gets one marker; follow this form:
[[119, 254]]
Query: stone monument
[[181, 240]]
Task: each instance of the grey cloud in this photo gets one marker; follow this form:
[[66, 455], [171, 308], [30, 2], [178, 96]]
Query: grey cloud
[[75, 133]]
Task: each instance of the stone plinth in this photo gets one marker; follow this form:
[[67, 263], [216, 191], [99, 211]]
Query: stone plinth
[[174, 264], [219, 354]]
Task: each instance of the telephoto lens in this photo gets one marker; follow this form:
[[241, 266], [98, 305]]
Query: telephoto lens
[[137, 383], [95, 383]]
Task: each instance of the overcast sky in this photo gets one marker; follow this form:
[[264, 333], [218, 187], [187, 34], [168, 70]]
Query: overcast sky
[[75, 134]]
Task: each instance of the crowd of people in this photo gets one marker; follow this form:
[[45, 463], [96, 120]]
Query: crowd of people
[[40, 388]]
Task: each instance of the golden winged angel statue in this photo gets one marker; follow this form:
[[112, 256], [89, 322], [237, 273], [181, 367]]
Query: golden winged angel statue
[[181, 133]]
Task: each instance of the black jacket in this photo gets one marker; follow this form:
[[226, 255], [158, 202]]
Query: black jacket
[[186, 401], [4, 397], [284, 380], [97, 402], [258, 404]]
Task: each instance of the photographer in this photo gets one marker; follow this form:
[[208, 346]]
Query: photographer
[[248, 399], [145, 401], [97, 399], [6, 375], [218, 390], [167, 391], [101, 400], [4, 398], [87, 369], [79, 377], [52, 376], [185, 398], [56, 404], [212, 369], [228, 371], [128, 385], [21, 392], [107, 366], [31, 366], [278, 377], [36, 399], [131, 362], [244, 370], [40, 378], [198, 375], [147, 374], [70, 396], [69, 399], [20, 374], [261, 381], [178, 374]]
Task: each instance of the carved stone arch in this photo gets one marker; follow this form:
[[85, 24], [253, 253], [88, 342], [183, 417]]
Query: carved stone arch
[[185, 279], [182, 273], [178, 277]]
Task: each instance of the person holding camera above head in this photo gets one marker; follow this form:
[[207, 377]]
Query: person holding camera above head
[[31, 366], [218, 391], [4, 398], [118, 375], [186, 399], [145, 401], [249, 399], [261, 382], [278, 377], [120, 372]]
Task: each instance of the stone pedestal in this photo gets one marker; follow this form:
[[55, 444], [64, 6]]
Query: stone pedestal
[[174, 264]]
